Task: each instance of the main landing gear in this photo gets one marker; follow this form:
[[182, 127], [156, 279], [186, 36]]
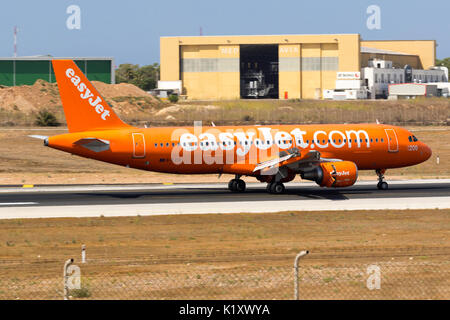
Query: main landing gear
[[275, 187], [382, 185], [236, 184]]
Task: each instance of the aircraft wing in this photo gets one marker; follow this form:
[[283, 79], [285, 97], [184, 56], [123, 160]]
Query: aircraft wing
[[294, 159], [93, 144]]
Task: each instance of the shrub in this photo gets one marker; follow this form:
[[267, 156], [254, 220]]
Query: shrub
[[83, 292], [46, 119], [173, 98]]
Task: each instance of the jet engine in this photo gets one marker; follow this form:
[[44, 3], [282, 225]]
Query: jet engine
[[333, 174]]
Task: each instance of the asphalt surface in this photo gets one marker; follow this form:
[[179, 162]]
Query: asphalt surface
[[204, 193]]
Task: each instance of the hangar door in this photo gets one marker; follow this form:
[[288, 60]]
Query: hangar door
[[259, 71]]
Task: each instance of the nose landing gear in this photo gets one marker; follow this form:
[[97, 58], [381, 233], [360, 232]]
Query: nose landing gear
[[382, 184]]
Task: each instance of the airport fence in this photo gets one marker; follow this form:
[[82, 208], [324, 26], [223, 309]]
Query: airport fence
[[410, 115], [121, 279]]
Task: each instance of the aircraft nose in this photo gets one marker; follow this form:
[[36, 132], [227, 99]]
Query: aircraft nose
[[425, 151]]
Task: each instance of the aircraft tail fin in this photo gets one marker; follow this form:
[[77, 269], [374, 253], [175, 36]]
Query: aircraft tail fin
[[84, 108]]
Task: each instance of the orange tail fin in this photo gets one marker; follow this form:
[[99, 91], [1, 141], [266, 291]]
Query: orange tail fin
[[83, 106]]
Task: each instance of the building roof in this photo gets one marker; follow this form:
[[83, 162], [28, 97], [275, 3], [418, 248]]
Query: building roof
[[382, 51]]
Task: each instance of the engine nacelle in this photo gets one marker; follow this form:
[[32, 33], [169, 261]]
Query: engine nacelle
[[333, 174]]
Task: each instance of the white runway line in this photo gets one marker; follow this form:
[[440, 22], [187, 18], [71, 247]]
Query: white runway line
[[16, 203], [223, 207]]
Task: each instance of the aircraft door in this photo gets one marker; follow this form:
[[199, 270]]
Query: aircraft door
[[138, 145], [392, 140]]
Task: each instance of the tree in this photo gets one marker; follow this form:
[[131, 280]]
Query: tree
[[145, 77], [444, 62]]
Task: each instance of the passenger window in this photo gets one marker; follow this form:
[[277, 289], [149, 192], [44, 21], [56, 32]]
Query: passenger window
[[382, 140], [156, 145], [162, 144]]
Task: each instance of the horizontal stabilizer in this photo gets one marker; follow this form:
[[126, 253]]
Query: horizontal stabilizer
[[93, 144], [38, 137]]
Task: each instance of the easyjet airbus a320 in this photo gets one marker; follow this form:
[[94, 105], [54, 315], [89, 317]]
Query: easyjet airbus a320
[[330, 155]]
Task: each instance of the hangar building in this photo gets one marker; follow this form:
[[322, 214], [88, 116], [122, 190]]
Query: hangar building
[[278, 66], [26, 70]]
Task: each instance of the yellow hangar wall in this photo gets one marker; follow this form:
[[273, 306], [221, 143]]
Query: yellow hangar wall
[[210, 71], [425, 50], [209, 66], [398, 60]]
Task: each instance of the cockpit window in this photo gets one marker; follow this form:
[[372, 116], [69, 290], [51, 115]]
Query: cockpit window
[[415, 139], [410, 139]]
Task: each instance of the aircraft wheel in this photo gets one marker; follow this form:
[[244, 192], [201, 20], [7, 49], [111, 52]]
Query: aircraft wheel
[[277, 188], [240, 185], [232, 185], [382, 185]]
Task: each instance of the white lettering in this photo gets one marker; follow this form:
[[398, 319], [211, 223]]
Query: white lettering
[[283, 139], [298, 135], [317, 141], [358, 137], [188, 141], [70, 73], [87, 94], [244, 141], [266, 141], [340, 142]]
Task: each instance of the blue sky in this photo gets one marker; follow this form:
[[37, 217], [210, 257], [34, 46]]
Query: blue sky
[[129, 30]]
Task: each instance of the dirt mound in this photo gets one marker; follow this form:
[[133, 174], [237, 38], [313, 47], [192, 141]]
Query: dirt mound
[[21, 101], [120, 90], [30, 98]]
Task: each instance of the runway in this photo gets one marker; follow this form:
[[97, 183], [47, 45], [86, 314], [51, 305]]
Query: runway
[[157, 199]]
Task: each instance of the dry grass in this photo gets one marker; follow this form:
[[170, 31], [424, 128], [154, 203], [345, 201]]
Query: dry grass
[[232, 256], [19, 105], [419, 111], [26, 161]]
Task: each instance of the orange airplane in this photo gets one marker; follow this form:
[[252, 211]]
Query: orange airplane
[[329, 154]]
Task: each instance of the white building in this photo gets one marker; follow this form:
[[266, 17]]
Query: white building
[[373, 81]]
